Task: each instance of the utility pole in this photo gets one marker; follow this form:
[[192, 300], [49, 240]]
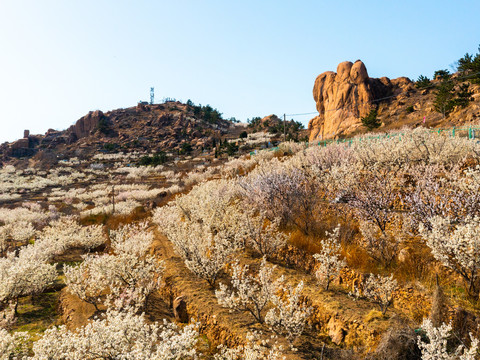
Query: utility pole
[[113, 199], [284, 125]]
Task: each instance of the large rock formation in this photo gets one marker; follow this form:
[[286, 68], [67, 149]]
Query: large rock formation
[[346, 96], [85, 125]]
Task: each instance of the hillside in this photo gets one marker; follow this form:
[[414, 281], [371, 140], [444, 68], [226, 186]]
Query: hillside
[[166, 232], [150, 128]]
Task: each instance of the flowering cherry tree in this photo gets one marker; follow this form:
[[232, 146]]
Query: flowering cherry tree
[[22, 277], [202, 239], [133, 239], [284, 193], [436, 347], [128, 278], [18, 231], [329, 263], [457, 247], [378, 289], [382, 246], [289, 314], [249, 292], [438, 190], [13, 346], [120, 335], [265, 239], [255, 349]]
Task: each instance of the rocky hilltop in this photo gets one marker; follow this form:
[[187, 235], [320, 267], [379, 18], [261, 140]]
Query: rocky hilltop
[[164, 127], [344, 97]]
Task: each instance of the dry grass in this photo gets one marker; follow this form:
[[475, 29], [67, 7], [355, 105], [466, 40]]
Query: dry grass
[[417, 264], [357, 258], [308, 243], [115, 221], [373, 315]]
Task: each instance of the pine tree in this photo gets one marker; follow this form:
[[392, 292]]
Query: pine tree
[[445, 97], [370, 121], [464, 95]]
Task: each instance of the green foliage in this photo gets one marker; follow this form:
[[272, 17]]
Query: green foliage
[[445, 97], [422, 82], [243, 135], [157, 159], [232, 148], [464, 95], [103, 125], [469, 65], [254, 122], [410, 109], [110, 146], [186, 148], [370, 121], [206, 113], [136, 143], [442, 74]]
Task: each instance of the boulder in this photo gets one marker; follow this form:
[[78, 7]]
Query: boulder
[[344, 97], [86, 124], [336, 330]]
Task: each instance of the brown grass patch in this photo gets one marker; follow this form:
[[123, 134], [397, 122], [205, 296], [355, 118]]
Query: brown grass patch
[[357, 258]]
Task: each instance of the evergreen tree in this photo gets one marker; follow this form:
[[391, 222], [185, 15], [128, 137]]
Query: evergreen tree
[[469, 65], [445, 97], [422, 82], [442, 74], [370, 121], [464, 95]]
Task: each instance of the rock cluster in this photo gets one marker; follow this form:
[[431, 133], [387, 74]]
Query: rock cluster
[[86, 124], [344, 97]]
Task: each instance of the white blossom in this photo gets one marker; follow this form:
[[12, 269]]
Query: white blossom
[[132, 239], [436, 347], [254, 349], [128, 278], [13, 346], [249, 292], [289, 314], [457, 248], [120, 335], [378, 289], [21, 277], [329, 263]]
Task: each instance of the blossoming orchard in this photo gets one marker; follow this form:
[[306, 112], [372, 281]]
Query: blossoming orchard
[[304, 252]]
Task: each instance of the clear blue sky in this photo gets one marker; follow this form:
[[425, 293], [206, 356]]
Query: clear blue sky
[[61, 58]]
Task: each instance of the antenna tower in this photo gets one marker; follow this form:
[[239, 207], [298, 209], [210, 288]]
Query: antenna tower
[[152, 95]]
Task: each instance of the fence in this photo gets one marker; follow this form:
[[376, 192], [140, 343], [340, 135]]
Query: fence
[[470, 132]]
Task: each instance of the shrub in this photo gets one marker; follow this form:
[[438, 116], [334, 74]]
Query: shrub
[[155, 160], [232, 149], [186, 148], [370, 121]]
